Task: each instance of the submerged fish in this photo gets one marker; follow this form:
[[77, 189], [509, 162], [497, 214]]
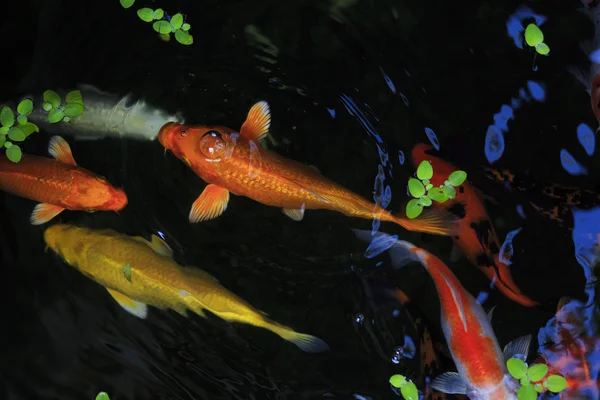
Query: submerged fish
[[475, 235], [137, 272], [58, 184], [233, 162], [482, 372]]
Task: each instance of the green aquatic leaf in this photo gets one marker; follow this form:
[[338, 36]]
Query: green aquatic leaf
[[74, 96], [21, 119], [127, 3], [102, 396], [25, 107], [8, 145], [186, 27], [183, 37], [449, 191], [50, 96], [428, 186], [177, 20], [7, 117], [47, 106], [525, 380], [4, 130], [66, 119], [516, 367], [162, 27], [533, 35], [397, 380], [435, 194], [16, 134], [55, 115], [416, 188], [409, 391], [555, 383], [538, 387], [542, 49], [165, 37], [29, 128], [414, 208], [457, 178], [73, 110], [527, 392], [127, 272], [158, 13], [425, 170], [146, 14], [425, 201], [537, 372], [14, 153], [2, 140]]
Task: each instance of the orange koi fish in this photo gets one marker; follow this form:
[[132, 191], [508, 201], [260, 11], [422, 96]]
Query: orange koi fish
[[482, 373], [58, 184], [475, 234], [233, 162]]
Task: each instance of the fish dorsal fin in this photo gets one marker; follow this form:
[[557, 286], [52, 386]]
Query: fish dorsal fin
[[60, 150], [457, 300], [491, 313], [449, 382], [134, 307], [257, 123], [157, 244], [518, 348], [199, 273]]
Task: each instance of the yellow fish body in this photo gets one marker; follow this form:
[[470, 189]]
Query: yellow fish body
[[138, 273]]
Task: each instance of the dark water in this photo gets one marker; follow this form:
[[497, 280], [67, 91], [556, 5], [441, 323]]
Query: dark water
[[350, 85]]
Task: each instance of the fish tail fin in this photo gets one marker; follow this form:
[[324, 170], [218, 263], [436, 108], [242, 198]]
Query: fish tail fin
[[434, 221], [401, 252], [307, 343]]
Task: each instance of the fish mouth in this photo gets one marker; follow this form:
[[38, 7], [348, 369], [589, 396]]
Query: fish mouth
[[165, 134], [52, 235]]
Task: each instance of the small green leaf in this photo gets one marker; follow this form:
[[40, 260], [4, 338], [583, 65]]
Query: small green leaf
[[425, 170], [537, 372], [29, 128], [8, 144], [525, 380], [556, 383], [47, 106], [457, 178], [527, 392], [21, 119], [158, 13], [146, 14], [102, 396], [2, 140], [162, 27], [397, 380], [413, 209], [409, 391], [73, 110], [516, 367], [7, 118], [55, 115], [127, 272], [425, 201], [449, 191], [186, 27], [74, 96], [16, 134], [4, 130], [533, 35], [416, 188], [66, 119], [436, 194], [50, 96], [183, 37], [538, 387], [127, 3], [165, 37], [428, 186], [14, 153], [177, 20], [25, 107], [542, 49]]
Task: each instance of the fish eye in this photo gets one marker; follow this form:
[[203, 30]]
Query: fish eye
[[212, 145], [183, 132]]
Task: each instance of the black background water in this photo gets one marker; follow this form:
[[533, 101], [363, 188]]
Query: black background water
[[452, 68]]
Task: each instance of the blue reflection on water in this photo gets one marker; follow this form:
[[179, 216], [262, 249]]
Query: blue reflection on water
[[507, 250], [388, 81], [570, 164], [401, 157], [432, 138], [587, 138]]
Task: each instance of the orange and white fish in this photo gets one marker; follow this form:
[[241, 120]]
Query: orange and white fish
[[58, 184], [475, 235], [235, 162], [482, 373]]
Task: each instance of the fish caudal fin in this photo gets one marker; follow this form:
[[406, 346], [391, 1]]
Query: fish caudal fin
[[136, 308], [43, 213], [436, 222], [307, 343]]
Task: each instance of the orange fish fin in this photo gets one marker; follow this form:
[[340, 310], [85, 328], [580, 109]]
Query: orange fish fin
[[60, 149], [136, 308], [257, 123], [44, 212], [293, 213], [210, 204], [434, 221]]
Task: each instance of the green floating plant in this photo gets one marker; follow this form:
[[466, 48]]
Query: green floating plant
[[11, 133], [102, 396], [127, 3], [535, 38], [533, 379], [127, 272], [408, 389], [424, 192], [165, 25], [57, 112]]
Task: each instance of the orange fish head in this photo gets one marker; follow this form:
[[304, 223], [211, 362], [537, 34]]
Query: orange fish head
[[201, 143], [118, 199]]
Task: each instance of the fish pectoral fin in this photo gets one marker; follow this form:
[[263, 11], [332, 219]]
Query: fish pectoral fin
[[518, 348], [44, 212], [257, 123], [315, 169], [197, 272], [157, 244], [136, 308], [210, 204], [449, 382], [293, 213], [60, 150]]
